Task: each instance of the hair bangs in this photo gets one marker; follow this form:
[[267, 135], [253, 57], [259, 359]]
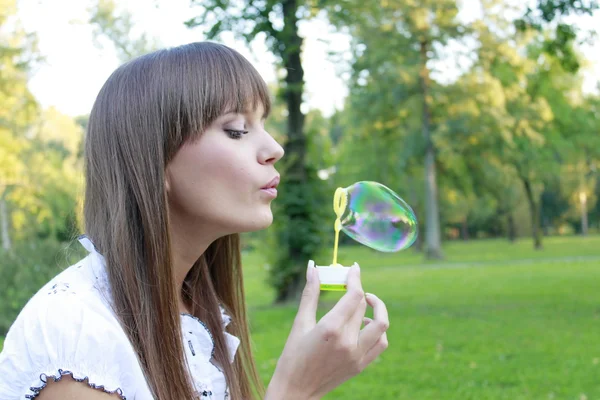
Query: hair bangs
[[214, 80], [242, 88]]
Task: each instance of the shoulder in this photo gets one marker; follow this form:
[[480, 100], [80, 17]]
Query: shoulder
[[67, 328], [73, 301]]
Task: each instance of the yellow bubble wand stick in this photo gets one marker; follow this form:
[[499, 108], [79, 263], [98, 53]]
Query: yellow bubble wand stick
[[340, 201], [334, 277]]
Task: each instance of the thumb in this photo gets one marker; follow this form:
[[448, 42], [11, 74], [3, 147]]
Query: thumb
[[307, 311]]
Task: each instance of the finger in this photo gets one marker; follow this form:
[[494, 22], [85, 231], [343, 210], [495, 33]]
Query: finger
[[346, 307], [367, 321], [307, 310], [379, 347], [355, 322], [380, 324]]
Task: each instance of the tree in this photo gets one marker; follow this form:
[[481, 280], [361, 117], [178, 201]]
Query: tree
[[298, 229], [529, 122], [39, 175], [42, 210], [518, 116], [18, 110], [399, 41], [116, 26], [559, 42], [501, 132]]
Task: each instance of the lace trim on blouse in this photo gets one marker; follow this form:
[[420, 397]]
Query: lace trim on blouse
[[44, 379]]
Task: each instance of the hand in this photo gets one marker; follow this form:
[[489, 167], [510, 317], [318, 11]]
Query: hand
[[318, 357]]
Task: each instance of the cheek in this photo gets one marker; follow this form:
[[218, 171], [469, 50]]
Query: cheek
[[202, 181], [225, 171]]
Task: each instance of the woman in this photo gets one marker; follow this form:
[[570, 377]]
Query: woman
[[177, 164]]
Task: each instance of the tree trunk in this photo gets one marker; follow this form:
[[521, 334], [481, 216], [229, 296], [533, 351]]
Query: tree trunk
[[295, 146], [464, 229], [418, 246], [546, 226], [6, 244], [433, 246], [512, 231], [584, 214], [535, 214], [294, 87]]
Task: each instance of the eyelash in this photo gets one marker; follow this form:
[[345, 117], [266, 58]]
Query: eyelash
[[235, 134]]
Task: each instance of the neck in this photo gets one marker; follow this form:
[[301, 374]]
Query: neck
[[188, 242]]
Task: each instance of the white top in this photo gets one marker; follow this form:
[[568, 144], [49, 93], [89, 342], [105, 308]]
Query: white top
[[69, 328]]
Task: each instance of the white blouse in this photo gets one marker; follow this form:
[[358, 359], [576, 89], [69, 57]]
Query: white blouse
[[69, 328]]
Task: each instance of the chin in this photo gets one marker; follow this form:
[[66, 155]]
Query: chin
[[266, 222], [258, 222]]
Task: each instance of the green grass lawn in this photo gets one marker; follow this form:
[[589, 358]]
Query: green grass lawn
[[494, 321]]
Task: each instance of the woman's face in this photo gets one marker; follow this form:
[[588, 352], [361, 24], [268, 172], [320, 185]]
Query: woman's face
[[225, 181]]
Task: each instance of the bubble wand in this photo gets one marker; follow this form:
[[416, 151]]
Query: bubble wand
[[372, 215], [340, 201]]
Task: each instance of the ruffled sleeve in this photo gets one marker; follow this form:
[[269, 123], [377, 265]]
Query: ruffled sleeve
[[232, 341], [61, 333]]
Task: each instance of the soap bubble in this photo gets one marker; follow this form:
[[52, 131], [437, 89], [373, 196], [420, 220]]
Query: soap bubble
[[377, 217]]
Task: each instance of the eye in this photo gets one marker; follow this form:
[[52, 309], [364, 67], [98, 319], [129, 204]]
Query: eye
[[235, 134]]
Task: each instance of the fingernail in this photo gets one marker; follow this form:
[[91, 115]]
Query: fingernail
[[309, 271]]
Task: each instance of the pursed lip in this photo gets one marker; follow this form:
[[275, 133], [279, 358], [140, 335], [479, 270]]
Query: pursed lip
[[272, 184]]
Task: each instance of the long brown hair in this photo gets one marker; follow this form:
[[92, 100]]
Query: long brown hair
[[147, 109]]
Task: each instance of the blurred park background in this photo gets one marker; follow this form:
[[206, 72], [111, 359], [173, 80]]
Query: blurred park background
[[484, 115]]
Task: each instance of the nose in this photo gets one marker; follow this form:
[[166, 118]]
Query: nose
[[271, 151]]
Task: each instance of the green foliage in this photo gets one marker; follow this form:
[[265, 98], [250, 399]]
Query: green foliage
[[560, 42], [18, 111], [39, 176], [43, 201], [247, 19], [393, 99], [116, 26], [41, 211], [512, 122]]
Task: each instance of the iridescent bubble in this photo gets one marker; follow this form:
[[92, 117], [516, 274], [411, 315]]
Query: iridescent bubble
[[377, 217]]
